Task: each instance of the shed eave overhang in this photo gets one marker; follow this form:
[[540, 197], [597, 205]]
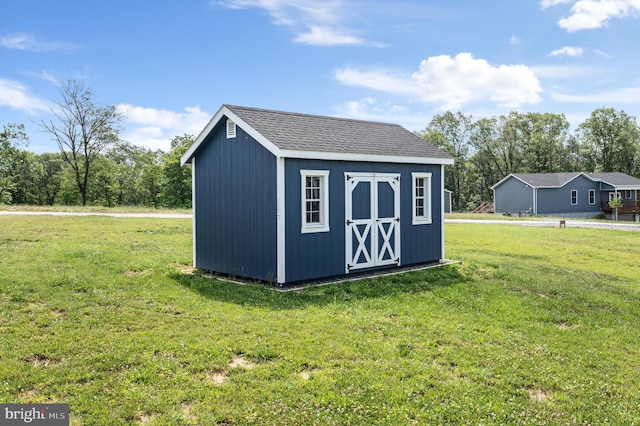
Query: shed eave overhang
[[372, 158]]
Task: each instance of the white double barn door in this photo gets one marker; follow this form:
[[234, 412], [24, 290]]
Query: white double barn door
[[372, 214]]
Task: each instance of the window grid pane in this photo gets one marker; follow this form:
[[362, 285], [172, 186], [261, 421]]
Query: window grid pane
[[312, 193], [419, 197]]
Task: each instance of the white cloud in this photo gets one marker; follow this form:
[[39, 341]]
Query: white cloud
[[21, 41], [591, 14], [548, 3], [318, 23], [16, 96], [564, 72], [324, 36], [378, 79], [568, 51], [628, 95], [454, 82], [373, 110], [44, 75], [370, 109], [514, 40], [602, 53], [154, 128]]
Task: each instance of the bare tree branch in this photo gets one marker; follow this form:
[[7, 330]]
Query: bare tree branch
[[82, 130]]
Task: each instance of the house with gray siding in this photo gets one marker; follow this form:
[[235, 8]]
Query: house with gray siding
[[287, 198], [574, 194]]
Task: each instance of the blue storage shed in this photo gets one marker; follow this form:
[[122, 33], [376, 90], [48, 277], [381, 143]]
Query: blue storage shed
[[288, 198]]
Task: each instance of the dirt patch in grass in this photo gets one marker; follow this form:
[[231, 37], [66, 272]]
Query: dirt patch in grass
[[567, 326], [305, 374], [218, 378], [144, 418], [186, 412], [28, 394], [42, 361], [537, 395], [240, 362]]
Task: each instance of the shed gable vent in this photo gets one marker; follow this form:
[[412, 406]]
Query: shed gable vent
[[231, 129]]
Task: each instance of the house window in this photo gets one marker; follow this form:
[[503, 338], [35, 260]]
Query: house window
[[315, 200], [421, 198], [231, 129], [574, 197], [592, 196]]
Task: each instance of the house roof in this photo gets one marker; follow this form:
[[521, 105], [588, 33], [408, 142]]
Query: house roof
[[557, 180], [288, 134], [617, 179], [549, 180]]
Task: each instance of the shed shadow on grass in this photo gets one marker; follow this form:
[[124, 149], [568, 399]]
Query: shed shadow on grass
[[261, 295]]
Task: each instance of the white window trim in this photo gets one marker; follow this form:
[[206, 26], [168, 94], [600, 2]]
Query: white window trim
[[323, 226], [231, 129], [571, 199], [592, 192], [427, 217]]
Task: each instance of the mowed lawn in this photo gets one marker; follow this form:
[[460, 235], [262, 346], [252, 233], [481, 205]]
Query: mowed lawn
[[536, 326]]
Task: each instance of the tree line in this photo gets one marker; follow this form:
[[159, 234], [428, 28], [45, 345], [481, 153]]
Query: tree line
[[93, 166], [121, 175], [488, 149]]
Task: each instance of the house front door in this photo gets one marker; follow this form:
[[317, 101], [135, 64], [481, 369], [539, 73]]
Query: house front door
[[372, 218]]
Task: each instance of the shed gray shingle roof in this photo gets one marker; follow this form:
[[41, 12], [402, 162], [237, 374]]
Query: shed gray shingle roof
[[314, 133]]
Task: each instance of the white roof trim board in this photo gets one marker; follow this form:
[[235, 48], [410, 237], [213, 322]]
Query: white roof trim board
[[292, 135]]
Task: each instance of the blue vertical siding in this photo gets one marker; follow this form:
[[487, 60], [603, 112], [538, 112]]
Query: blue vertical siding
[[558, 200], [236, 206], [513, 195], [320, 255]]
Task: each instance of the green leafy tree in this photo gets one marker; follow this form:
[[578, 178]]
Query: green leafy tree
[[452, 133], [615, 204], [103, 188], [49, 178], [83, 129], [149, 186], [610, 142], [128, 164], [545, 136], [15, 165], [485, 159], [176, 189]]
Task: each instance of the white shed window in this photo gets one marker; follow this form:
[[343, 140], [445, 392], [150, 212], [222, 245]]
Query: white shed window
[[315, 200], [592, 196], [231, 129], [421, 198], [574, 197]]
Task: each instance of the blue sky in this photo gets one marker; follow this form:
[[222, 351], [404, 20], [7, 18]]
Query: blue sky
[[170, 65]]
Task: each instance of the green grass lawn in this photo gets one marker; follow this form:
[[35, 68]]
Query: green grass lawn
[[536, 326]]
